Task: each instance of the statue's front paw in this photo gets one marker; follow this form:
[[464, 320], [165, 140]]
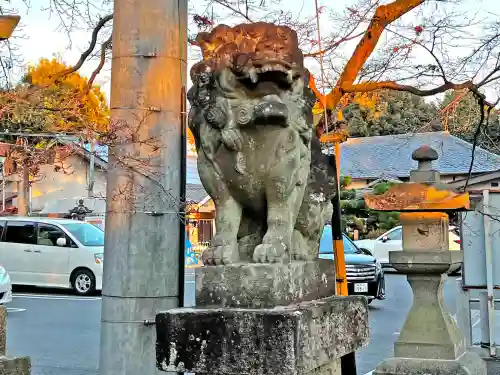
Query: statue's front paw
[[232, 139], [270, 252], [222, 254]]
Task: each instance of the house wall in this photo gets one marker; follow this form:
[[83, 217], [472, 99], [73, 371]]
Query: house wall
[[357, 184], [72, 183], [492, 184]]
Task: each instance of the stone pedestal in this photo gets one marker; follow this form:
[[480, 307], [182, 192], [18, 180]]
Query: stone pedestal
[[263, 319], [264, 285], [15, 366], [10, 365]]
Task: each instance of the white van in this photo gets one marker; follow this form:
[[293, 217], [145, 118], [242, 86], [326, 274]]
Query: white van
[[48, 252]]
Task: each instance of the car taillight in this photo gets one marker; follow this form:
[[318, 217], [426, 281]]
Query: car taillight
[[457, 241]]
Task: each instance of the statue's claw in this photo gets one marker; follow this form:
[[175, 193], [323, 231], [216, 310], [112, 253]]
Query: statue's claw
[[207, 257], [221, 254], [270, 252], [300, 247]]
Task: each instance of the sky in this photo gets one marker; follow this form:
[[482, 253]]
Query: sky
[[46, 39]]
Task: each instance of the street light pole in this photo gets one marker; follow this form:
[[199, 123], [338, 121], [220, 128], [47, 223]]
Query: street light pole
[[339, 135], [142, 239]]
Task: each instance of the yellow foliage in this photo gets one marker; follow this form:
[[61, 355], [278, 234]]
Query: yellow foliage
[[340, 116], [368, 100], [76, 109]]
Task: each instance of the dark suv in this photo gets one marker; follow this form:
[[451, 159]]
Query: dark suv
[[364, 273]]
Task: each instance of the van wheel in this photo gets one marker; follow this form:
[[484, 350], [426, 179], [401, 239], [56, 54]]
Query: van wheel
[[83, 282]]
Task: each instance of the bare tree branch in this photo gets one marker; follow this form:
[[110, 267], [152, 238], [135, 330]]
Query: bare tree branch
[[104, 47], [88, 51]]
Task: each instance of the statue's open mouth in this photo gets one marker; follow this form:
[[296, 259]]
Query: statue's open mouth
[[270, 77]]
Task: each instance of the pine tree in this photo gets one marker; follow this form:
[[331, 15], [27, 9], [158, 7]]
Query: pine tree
[[394, 113], [465, 117]]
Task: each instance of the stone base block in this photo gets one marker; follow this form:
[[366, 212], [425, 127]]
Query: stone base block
[[264, 285], [427, 262], [287, 340], [467, 364], [15, 366]]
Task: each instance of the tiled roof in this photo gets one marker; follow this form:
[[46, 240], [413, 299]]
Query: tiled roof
[[195, 193], [372, 157]]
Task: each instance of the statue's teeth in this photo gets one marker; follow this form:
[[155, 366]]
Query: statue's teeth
[[252, 73], [289, 76]]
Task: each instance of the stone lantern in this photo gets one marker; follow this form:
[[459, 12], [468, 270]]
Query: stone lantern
[[430, 342]]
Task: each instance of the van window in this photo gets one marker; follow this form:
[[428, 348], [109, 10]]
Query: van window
[[48, 234], [87, 234], [20, 232]]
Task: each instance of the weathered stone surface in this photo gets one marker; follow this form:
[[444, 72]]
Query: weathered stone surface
[[467, 364], [425, 231], [285, 340], [15, 366], [264, 285], [258, 159], [331, 368], [429, 331], [436, 262]]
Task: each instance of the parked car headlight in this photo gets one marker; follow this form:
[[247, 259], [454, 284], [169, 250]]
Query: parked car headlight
[[99, 258]]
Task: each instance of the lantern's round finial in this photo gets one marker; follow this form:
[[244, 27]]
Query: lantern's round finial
[[424, 153]]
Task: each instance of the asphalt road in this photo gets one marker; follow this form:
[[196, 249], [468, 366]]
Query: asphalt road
[[61, 332]]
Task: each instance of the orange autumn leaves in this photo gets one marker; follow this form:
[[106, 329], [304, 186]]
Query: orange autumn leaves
[[68, 104], [367, 100]]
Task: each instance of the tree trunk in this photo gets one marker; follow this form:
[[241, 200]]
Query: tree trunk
[[23, 197]]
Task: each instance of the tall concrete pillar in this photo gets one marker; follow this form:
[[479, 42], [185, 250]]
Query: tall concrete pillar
[[143, 264]]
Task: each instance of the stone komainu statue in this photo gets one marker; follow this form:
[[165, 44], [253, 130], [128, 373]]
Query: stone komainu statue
[[258, 157]]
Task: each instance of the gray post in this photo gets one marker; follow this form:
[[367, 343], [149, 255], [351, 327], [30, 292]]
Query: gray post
[[489, 273], [141, 265], [483, 315], [463, 312]]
